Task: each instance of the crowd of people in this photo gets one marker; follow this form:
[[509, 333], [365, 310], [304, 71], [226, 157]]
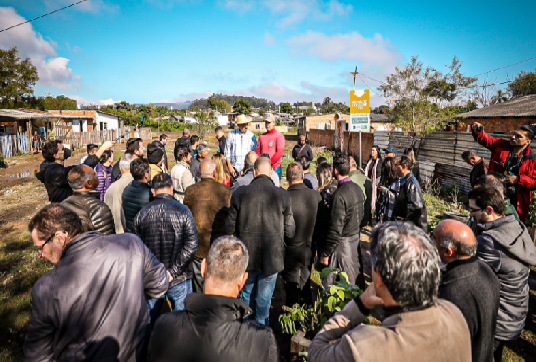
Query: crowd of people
[[210, 236]]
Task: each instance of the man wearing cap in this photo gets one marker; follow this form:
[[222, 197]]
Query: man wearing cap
[[155, 155], [272, 142], [239, 142], [390, 152], [515, 159]]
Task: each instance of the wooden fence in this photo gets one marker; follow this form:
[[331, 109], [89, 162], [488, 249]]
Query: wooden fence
[[77, 140], [11, 145], [439, 156]]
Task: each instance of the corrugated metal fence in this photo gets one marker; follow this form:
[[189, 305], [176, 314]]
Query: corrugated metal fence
[[439, 155], [11, 145]]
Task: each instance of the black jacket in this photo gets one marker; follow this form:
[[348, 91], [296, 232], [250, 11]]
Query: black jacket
[[167, 227], [261, 216], [221, 145], [54, 176], [95, 214], [473, 287], [182, 142], [92, 305], [211, 328], [194, 169], [507, 248], [135, 197], [304, 202], [116, 172], [323, 217], [409, 204], [307, 151], [347, 210]]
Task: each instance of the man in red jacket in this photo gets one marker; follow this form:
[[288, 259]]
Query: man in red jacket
[[272, 143], [516, 160]]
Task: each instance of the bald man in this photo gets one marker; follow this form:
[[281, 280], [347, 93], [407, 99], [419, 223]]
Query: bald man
[[470, 284], [261, 216], [247, 173], [209, 202]]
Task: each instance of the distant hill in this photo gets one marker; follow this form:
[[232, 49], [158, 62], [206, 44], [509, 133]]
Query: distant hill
[[168, 105], [254, 101]]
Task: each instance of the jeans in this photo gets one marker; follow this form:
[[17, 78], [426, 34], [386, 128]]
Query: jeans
[[176, 296], [279, 172], [262, 288]]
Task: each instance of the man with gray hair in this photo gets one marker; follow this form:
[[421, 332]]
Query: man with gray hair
[[114, 195], [209, 203], [213, 327], [261, 216], [418, 326], [247, 173], [469, 283]]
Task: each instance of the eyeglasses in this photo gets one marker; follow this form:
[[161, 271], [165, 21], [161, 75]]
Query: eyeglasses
[[40, 248]]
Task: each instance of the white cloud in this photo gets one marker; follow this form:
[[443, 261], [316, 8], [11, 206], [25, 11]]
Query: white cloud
[[269, 39], [53, 70], [298, 10], [83, 101], [375, 55], [93, 6], [295, 11], [76, 49]]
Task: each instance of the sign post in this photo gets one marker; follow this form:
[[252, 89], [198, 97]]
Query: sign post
[[360, 115]]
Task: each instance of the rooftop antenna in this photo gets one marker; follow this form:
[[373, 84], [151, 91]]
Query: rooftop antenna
[[354, 73]]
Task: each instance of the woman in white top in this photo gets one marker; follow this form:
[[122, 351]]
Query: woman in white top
[[181, 175]]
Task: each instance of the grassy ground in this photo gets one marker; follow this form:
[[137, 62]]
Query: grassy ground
[[20, 268]]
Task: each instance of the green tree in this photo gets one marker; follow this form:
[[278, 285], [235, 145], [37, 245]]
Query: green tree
[[203, 124], [423, 96], [286, 108], [523, 85], [17, 78], [242, 106], [225, 107], [327, 101], [213, 103], [500, 97], [383, 109]]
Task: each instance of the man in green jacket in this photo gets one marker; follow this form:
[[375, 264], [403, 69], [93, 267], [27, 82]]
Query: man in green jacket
[[366, 186]]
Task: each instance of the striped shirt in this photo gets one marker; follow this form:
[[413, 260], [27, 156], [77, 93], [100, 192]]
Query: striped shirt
[[237, 147]]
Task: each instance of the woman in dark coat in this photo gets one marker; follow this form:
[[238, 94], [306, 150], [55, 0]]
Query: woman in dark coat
[[327, 185], [373, 172], [387, 190]]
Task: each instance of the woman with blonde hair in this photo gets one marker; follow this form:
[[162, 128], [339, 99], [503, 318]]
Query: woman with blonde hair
[[223, 175]]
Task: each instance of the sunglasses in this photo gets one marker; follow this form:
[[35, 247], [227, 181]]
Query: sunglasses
[[40, 248]]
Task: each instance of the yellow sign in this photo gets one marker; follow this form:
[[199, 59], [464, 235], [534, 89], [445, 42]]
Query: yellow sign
[[360, 104]]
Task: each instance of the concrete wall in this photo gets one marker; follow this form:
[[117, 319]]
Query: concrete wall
[[112, 122]]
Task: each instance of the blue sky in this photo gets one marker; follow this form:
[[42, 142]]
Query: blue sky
[[175, 50]]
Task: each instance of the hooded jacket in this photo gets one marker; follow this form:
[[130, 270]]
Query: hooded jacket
[[95, 214], [409, 204], [500, 149], [104, 175], [91, 306], [261, 216], [507, 248], [54, 176], [211, 328], [167, 227]]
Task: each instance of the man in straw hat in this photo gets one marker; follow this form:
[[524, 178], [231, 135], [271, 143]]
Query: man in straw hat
[[272, 142], [240, 142]]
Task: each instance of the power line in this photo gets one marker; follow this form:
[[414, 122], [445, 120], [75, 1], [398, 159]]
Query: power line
[[369, 87], [42, 16], [506, 66]]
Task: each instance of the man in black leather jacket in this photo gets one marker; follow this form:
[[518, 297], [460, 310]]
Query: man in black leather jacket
[[95, 214], [342, 249], [213, 327], [91, 305], [409, 205], [168, 229], [138, 193]]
